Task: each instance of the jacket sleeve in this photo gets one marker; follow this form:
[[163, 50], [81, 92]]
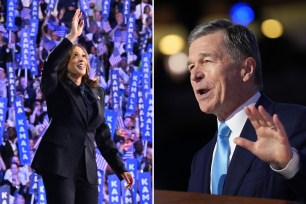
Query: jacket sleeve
[[298, 141], [49, 73], [108, 149]]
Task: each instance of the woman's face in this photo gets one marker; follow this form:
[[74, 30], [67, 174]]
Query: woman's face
[[147, 10], [38, 94], [78, 63], [14, 169]]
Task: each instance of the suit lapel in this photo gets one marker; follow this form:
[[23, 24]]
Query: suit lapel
[[77, 99], [240, 162], [242, 159], [98, 105]]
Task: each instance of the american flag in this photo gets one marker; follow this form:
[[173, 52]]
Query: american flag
[[61, 31], [115, 58], [123, 35], [25, 13], [101, 49], [47, 44], [117, 36], [101, 162], [106, 26], [120, 124]]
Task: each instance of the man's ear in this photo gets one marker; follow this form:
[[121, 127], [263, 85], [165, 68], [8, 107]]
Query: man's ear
[[248, 68]]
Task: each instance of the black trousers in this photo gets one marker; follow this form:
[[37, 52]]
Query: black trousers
[[74, 190]]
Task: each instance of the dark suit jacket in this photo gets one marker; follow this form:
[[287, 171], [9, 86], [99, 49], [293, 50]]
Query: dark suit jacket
[[62, 145], [7, 153], [248, 175]]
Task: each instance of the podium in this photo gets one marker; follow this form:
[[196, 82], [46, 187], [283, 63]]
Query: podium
[[177, 197]]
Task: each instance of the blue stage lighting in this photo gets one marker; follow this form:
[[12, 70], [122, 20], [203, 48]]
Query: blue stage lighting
[[242, 13]]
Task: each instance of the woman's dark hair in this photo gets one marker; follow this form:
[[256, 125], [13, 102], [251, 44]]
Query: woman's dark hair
[[63, 70]]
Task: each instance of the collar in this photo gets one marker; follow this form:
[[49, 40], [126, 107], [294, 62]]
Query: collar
[[91, 98], [239, 117]]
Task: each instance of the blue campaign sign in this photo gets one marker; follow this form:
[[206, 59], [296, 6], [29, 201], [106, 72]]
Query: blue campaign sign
[[132, 166], [115, 88], [22, 132], [10, 15], [145, 188], [111, 119], [34, 178], [84, 6], [33, 61], [100, 186], [5, 194], [34, 10], [146, 72], [3, 109], [126, 8], [133, 96], [149, 48], [41, 193], [51, 5], [11, 81], [34, 23], [105, 8], [129, 196], [25, 48], [141, 110], [114, 192], [148, 119], [130, 33]]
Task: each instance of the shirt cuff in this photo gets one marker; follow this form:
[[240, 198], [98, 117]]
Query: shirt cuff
[[292, 167]]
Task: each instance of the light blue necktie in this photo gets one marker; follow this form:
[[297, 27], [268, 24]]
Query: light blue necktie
[[220, 163]]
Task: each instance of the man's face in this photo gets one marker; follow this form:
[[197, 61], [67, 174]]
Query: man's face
[[128, 122], [214, 76]]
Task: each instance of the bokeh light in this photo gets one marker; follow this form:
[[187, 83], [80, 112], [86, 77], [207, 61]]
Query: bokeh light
[[242, 13], [272, 28], [171, 44], [177, 63]]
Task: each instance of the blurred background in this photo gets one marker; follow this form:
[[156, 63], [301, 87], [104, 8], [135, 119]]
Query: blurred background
[[180, 127]]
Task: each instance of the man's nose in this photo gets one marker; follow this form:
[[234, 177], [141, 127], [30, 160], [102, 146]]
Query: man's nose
[[197, 75]]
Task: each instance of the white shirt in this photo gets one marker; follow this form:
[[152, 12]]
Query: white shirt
[[236, 122]]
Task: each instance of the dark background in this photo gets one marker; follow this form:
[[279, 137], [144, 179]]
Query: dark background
[[180, 128]]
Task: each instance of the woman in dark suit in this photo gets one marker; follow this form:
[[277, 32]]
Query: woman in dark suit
[[66, 155]]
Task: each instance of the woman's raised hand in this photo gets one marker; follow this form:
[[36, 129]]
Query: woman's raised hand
[[76, 26]]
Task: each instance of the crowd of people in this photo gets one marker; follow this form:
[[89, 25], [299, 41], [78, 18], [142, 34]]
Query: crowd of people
[[100, 37]]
